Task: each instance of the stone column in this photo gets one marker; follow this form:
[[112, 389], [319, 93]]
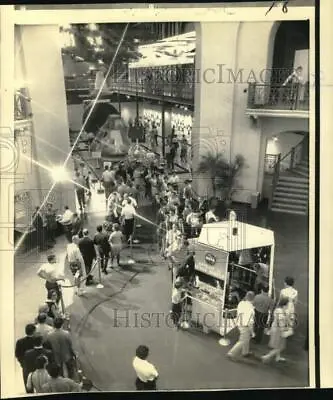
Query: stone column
[[39, 49]]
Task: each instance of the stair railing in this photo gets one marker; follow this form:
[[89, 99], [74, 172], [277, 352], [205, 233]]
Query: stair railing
[[294, 152], [292, 163], [275, 179]]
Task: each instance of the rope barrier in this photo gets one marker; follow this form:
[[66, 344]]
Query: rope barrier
[[82, 279]]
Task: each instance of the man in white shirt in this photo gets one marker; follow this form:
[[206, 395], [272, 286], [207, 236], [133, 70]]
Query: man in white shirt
[[52, 273], [76, 262], [145, 371], [245, 322], [127, 214], [133, 201], [66, 220], [107, 179]]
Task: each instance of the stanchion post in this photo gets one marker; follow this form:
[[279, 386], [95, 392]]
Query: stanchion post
[[99, 285], [224, 341], [185, 324], [63, 310]]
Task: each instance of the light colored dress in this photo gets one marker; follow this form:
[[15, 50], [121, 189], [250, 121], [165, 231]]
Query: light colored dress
[[279, 325], [291, 294], [116, 242]]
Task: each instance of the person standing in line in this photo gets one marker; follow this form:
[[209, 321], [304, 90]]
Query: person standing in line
[[60, 342], [59, 384], [86, 176], [52, 274], [88, 251], [51, 223], [263, 305], [76, 262], [80, 188], [38, 224], [127, 214], [77, 225], [23, 345], [133, 201], [177, 299], [290, 293], [245, 320], [30, 356], [145, 371], [42, 328], [116, 244], [183, 150], [44, 309], [39, 377], [103, 247], [210, 216], [67, 220], [107, 178], [279, 332]]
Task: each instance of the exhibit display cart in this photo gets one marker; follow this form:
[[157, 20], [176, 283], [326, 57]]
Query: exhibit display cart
[[231, 258]]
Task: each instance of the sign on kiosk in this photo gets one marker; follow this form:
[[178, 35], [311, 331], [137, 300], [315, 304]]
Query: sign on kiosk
[[210, 261]]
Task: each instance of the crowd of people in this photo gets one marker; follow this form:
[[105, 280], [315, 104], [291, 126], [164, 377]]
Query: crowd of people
[[46, 353], [259, 314]]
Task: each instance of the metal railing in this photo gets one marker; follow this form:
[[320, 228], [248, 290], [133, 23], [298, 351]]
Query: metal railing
[[278, 97], [181, 91], [162, 89], [291, 159]]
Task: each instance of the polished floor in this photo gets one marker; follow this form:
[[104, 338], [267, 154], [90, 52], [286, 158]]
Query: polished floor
[[108, 324]]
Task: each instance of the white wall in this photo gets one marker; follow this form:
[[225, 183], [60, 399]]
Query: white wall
[[233, 51], [251, 61], [40, 55], [212, 125]]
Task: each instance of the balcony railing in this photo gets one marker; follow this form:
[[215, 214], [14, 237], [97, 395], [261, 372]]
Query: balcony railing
[[278, 97], [183, 91], [180, 91]]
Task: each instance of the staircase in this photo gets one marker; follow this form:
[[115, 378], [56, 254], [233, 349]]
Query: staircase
[[291, 188]]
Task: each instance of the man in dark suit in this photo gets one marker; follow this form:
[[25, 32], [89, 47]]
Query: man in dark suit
[[25, 344], [61, 343], [88, 251], [101, 240], [30, 357]]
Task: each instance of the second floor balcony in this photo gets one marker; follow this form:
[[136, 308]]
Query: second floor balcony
[[182, 93], [277, 100]]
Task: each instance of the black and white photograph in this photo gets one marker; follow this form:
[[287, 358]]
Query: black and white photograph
[[162, 192]]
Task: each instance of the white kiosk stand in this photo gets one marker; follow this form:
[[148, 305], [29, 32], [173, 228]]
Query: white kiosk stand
[[223, 275]]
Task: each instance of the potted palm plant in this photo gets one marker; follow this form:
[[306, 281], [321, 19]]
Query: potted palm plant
[[223, 174], [229, 178], [211, 164]]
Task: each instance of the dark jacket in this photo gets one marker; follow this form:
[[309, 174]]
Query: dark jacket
[[101, 240], [87, 248], [22, 345], [29, 363]]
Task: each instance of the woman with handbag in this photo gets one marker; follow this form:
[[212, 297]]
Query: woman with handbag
[[279, 332]]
